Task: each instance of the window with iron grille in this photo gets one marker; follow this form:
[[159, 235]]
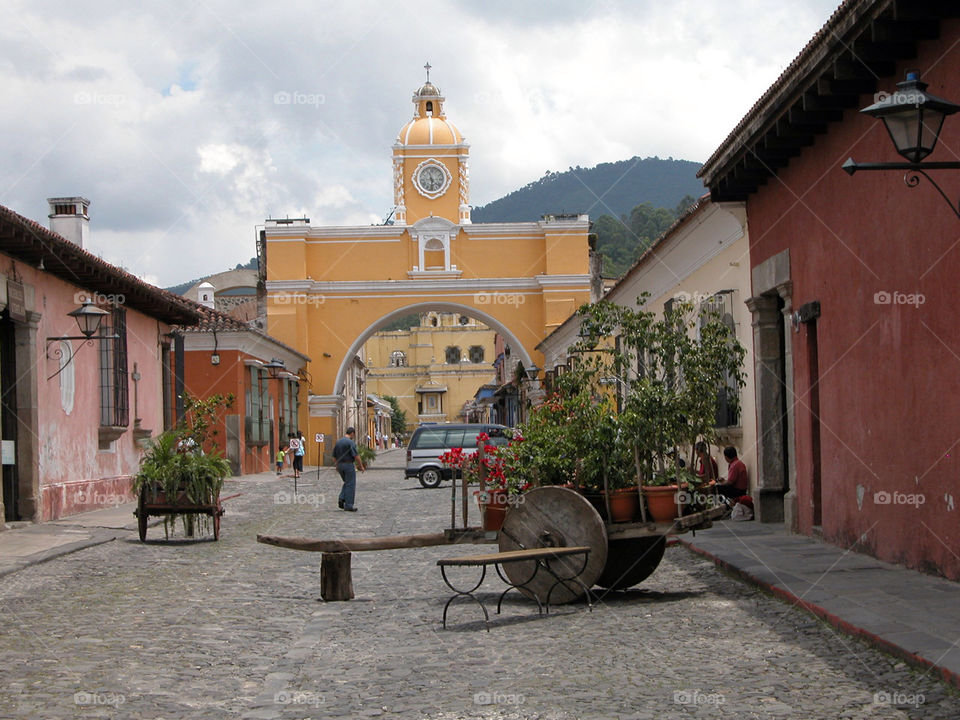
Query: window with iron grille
[[719, 307], [453, 355], [114, 383], [257, 421], [476, 353]]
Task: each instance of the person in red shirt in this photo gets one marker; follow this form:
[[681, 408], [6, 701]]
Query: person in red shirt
[[707, 470], [737, 483]]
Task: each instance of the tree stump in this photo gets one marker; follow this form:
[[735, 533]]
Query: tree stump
[[336, 580]]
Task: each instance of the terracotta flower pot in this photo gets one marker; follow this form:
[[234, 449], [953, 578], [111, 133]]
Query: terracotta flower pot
[[494, 508], [661, 502], [624, 505]]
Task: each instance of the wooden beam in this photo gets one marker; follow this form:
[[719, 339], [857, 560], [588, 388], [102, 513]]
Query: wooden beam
[[392, 542]]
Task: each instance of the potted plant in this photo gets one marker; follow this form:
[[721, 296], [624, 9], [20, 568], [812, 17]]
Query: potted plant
[[177, 476]]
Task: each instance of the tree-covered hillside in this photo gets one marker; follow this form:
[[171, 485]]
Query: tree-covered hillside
[[607, 189]]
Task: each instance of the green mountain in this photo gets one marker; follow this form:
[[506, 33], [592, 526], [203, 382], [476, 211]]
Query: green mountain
[[608, 189]]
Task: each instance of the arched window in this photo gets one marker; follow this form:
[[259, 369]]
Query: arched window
[[398, 358], [476, 353], [434, 255], [453, 355]]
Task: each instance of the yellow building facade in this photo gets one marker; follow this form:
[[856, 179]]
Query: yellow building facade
[[329, 289], [433, 369]]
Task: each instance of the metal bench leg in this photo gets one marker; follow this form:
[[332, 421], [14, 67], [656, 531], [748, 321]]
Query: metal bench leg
[[465, 593], [518, 586]]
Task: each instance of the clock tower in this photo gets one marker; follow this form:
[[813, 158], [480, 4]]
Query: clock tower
[[430, 173]]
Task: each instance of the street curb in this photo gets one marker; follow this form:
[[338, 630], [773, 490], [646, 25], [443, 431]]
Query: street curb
[[822, 613], [59, 551]]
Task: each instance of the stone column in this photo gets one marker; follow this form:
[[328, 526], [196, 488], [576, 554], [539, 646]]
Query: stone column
[[28, 424], [771, 420], [790, 509]]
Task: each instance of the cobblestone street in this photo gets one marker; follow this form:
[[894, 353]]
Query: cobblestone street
[[198, 629]]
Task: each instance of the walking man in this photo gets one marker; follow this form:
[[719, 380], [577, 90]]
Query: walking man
[[347, 456]]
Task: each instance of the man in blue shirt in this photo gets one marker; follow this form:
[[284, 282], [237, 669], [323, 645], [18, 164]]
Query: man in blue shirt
[[347, 456]]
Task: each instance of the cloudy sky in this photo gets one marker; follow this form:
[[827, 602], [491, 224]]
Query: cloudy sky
[[170, 116]]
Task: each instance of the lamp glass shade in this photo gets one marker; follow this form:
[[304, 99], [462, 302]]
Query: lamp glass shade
[[274, 367], [88, 317], [914, 132], [913, 117]]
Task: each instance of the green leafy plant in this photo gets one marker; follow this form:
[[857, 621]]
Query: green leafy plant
[[641, 387], [176, 470], [367, 454]]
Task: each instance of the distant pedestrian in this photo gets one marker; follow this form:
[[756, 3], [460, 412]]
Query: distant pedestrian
[[298, 454], [347, 456], [293, 441], [280, 455], [737, 483]]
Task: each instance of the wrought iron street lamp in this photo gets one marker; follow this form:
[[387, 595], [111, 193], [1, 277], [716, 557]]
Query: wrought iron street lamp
[[913, 118], [88, 317], [274, 368]]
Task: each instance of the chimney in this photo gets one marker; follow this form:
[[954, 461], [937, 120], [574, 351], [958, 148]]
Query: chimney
[[70, 218], [205, 295]]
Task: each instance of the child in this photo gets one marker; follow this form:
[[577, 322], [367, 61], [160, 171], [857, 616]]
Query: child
[[280, 455]]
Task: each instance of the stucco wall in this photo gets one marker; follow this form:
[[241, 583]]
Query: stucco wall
[[74, 475], [869, 249]]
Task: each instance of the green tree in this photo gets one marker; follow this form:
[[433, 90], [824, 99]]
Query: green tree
[[398, 417]]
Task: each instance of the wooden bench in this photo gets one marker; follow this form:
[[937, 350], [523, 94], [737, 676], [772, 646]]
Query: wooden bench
[[541, 557]]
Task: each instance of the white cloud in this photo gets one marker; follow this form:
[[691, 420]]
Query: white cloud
[[171, 119]]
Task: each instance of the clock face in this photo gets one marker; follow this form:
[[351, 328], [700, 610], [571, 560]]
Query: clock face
[[431, 178]]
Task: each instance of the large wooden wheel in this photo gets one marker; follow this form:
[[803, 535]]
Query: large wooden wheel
[[555, 517], [631, 561]]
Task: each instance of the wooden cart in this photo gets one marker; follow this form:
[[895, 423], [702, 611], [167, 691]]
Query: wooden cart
[[620, 554], [156, 503]]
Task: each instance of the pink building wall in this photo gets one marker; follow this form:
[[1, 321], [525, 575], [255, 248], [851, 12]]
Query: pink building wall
[[74, 474]]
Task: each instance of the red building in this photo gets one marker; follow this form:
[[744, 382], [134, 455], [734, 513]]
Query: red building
[[854, 296], [224, 355], [75, 412]]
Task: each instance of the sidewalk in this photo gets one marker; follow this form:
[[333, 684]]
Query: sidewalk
[[25, 544], [906, 613]]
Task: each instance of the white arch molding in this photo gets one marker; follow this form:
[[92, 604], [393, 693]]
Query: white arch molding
[[515, 345]]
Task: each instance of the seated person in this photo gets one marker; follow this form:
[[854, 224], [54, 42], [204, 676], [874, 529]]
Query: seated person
[[707, 470], [737, 483]]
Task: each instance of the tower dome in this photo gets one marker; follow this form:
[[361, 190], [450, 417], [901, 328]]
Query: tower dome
[[429, 125]]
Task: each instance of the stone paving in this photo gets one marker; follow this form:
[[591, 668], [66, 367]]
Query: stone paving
[[197, 629]]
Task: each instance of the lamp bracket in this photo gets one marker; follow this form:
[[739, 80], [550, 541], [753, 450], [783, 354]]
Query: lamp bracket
[[912, 171], [57, 352]]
